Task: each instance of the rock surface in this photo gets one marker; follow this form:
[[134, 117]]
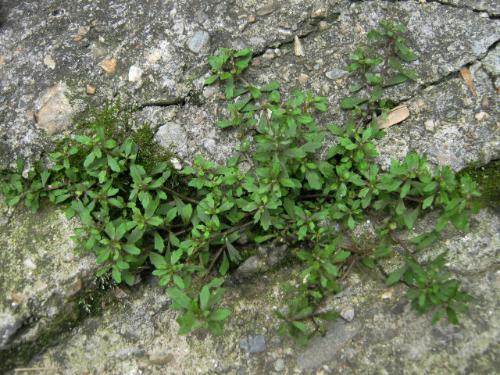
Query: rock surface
[[59, 58], [384, 336], [40, 278]]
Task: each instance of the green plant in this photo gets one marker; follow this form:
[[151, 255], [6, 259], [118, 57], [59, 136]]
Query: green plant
[[183, 226]]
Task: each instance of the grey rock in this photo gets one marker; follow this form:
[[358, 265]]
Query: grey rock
[[41, 274], [8, 326], [279, 365], [367, 344], [253, 344], [323, 349], [335, 74], [347, 314], [198, 41], [172, 136]]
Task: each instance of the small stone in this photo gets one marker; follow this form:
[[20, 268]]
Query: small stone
[[90, 89], [269, 54], [481, 116], [161, 358], [265, 10], [55, 112], [251, 18], [253, 344], [335, 74], [430, 125], [28, 263], [388, 294], [109, 65], [319, 13], [49, 62], [176, 163], [134, 73], [279, 365], [323, 25], [298, 49], [303, 79], [348, 313], [198, 41]]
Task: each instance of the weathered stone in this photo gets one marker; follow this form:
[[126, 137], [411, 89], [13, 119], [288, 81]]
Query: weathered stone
[[385, 336], [41, 274], [109, 65], [134, 73], [336, 74], [55, 111], [198, 41], [253, 344]]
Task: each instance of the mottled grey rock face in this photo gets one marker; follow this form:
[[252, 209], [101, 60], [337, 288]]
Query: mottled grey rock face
[[40, 273], [59, 58], [384, 335]]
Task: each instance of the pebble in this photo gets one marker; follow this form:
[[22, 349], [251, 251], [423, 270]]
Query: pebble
[[198, 41], [303, 79], [430, 125], [176, 163], [90, 89], [319, 13], [279, 365], [298, 49], [253, 344], [109, 65], [28, 263], [49, 62], [348, 313], [481, 116], [269, 54], [265, 10], [335, 74], [323, 25], [161, 358], [55, 111], [134, 73]]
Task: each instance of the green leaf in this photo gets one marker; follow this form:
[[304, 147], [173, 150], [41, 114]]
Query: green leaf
[[210, 80], [186, 212], [220, 314], [204, 297], [113, 164], [427, 202], [314, 179], [351, 102], [340, 256], [271, 86], [159, 244], [395, 276], [179, 297], [131, 249], [158, 260]]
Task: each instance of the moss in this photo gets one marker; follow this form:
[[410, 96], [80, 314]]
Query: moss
[[487, 178], [150, 152]]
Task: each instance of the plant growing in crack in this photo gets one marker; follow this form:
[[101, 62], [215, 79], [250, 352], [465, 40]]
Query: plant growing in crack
[[138, 214]]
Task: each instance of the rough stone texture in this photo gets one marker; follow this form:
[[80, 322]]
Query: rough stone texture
[[449, 124], [152, 55], [41, 273], [385, 335]]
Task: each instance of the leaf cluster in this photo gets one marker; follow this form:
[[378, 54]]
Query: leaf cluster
[[184, 226]]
